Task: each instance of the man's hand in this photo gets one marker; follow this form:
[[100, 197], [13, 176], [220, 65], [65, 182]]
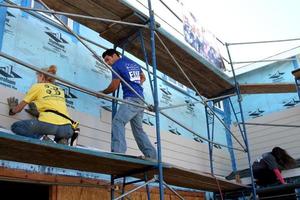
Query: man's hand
[[113, 86], [12, 104], [32, 110]]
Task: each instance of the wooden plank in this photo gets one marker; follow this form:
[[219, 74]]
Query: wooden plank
[[53, 192], [71, 187], [265, 88], [7, 174], [96, 134], [203, 75], [22, 149], [80, 193], [93, 8], [192, 180], [203, 78]]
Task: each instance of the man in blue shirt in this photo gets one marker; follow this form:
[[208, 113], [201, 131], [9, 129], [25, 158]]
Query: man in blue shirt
[[132, 73]]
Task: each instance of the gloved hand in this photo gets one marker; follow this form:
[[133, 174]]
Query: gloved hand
[[32, 110], [12, 103]]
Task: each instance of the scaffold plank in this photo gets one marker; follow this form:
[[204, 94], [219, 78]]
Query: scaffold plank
[[209, 81], [33, 151]]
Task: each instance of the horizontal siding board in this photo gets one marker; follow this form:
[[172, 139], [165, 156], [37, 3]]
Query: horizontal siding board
[[263, 138], [96, 133]]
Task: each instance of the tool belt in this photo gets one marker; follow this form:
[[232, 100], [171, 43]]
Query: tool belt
[[75, 125]]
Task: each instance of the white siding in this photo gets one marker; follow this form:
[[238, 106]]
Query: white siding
[[96, 133], [263, 138]]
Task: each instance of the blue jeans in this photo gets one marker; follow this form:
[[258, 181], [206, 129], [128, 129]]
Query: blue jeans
[[133, 114], [36, 129]]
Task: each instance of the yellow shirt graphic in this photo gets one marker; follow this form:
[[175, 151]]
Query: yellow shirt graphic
[[48, 96]]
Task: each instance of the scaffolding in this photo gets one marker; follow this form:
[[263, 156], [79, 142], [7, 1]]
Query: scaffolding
[[155, 108], [228, 91]]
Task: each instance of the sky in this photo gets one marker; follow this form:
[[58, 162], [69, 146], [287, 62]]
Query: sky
[[250, 20], [235, 20]]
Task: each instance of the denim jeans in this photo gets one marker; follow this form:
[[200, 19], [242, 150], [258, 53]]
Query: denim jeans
[[36, 129], [133, 114]]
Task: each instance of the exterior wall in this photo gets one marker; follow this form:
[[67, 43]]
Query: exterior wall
[[79, 193], [95, 133], [42, 42], [75, 188], [270, 109], [256, 105], [39, 41], [263, 138]]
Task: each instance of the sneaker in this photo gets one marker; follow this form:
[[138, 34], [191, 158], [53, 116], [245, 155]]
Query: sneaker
[[148, 158], [47, 139], [63, 141]]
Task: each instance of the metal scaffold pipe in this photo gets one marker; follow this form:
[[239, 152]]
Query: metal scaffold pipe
[[135, 189], [196, 102], [73, 15], [279, 53], [156, 101], [193, 132], [194, 87], [243, 132], [258, 61], [275, 125], [260, 42], [68, 83], [96, 55]]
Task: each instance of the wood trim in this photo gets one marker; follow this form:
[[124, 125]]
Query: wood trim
[[266, 88], [8, 174], [60, 182]]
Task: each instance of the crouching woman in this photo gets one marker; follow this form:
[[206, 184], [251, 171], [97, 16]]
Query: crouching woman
[[51, 105], [267, 169]]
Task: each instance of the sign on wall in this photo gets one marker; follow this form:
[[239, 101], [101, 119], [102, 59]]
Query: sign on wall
[[201, 39]]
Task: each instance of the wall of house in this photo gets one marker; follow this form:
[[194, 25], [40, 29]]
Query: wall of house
[[263, 138], [59, 187], [40, 41], [270, 109], [256, 105], [96, 133], [80, 193]]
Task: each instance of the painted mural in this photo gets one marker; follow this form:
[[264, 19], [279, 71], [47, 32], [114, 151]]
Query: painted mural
[[202, 40]]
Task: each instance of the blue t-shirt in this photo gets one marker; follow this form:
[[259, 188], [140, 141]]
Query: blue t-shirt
[[130, 71]]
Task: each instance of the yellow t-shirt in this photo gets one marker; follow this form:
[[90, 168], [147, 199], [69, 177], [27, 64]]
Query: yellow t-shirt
[[48, 96]]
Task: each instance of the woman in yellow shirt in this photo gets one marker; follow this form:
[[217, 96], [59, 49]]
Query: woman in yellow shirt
[[51, 104]]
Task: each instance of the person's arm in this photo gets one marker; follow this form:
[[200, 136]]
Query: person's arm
[[279, 176], [143, 78], [112, 86], [18, 108]]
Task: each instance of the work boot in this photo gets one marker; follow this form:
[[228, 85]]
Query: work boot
[[47, 139], [63, 141]]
